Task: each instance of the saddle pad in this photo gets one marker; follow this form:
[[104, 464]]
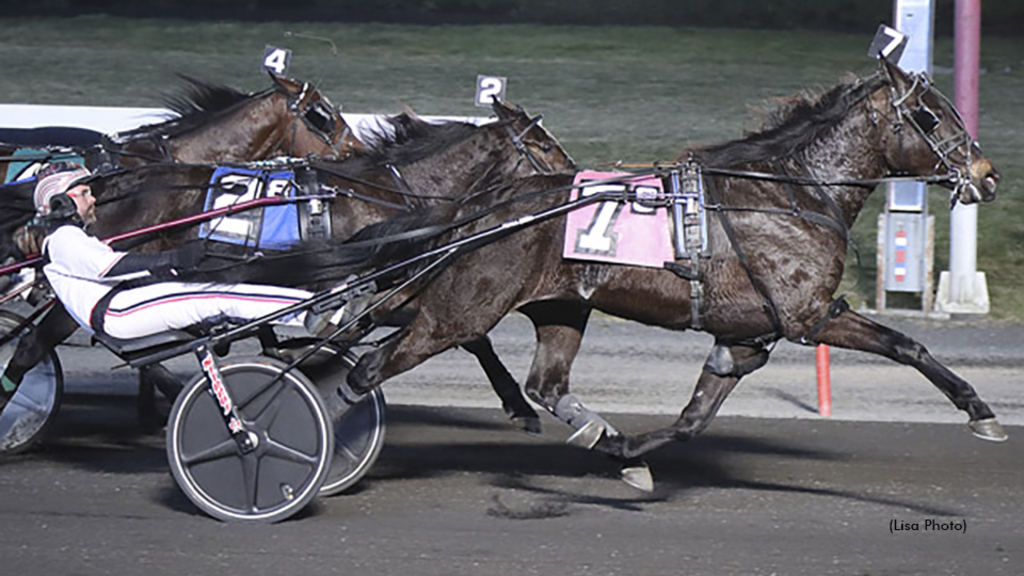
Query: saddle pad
[[619, 233], [270, 227]]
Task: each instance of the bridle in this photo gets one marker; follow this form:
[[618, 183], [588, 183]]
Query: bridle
[[319, 116], [926, 122], [520, 142]]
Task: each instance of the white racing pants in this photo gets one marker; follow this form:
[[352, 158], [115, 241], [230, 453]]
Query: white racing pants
[[166, 306]]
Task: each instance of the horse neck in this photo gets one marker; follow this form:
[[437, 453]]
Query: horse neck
[[849, 151], [150, 195], [257, 130], [469, 166]]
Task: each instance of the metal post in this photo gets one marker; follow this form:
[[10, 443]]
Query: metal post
[[963, 289], [903, 250]]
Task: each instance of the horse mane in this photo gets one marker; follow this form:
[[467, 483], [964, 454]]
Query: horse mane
[[406, 138], [791, 126], [195, 104]]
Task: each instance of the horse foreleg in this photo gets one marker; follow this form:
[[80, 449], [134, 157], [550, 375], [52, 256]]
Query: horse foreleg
[[505, 386], [853, 331], [722, 371]]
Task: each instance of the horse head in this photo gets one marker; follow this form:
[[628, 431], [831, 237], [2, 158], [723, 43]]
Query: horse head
[[929, 137], [532, 140], [220, 124], [321, 120]]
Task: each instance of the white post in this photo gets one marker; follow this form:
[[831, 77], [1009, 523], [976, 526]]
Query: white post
[[963, 290]]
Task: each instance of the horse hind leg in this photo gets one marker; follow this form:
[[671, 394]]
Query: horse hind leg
[[853, 331], [559, 329], [722, 371], [505, 386]]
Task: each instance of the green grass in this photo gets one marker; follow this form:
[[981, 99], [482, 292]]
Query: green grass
[[608, 94]]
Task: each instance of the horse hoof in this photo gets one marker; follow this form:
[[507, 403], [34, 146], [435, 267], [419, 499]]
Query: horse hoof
[[587, 436], [988, 429], [528, 424], [638, 477]]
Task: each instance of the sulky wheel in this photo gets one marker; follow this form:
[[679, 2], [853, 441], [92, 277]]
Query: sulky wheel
[[358, 430], [35, 404], [294, 443]]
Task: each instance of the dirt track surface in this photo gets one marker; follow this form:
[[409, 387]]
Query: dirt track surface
[[770, 488], [456, 492]]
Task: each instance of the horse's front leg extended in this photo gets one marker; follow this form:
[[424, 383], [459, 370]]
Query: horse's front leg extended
[[853, 331], [722, 370], [505, 386]]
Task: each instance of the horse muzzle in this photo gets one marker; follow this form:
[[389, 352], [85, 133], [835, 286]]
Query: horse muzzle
[[979, 185]]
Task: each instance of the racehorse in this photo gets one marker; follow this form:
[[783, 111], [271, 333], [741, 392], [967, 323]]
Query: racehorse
[[420, 163], [779, 205], [214, 124], [218, 124]]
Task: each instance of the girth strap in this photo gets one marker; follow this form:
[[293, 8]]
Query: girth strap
[[723, 217]]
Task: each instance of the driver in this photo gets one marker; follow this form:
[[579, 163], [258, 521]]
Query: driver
[[130, 295]]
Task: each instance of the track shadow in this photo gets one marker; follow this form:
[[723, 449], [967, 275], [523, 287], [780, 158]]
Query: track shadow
[[717, 460]]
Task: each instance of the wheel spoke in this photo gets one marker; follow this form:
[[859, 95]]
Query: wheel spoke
[[265, 419], [250, 473], [29, 404], [225, 449], [340, 446], [278, 450]]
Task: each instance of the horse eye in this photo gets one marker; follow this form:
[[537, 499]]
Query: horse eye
[[320, 118], [925, 119]]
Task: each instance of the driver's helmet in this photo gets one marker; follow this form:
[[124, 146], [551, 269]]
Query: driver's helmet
[[57, 178]]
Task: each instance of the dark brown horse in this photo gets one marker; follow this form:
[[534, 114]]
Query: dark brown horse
[[779, 204], [214, 124], [418, 164]]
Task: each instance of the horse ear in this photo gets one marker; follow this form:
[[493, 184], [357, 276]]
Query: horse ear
[[505, 111], [502, 110], [286, 84], [896, 75]]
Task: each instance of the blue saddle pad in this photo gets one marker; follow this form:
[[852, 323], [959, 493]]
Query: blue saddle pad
[[270, 227]]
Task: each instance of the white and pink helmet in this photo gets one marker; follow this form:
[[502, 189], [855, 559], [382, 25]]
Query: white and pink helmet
[[57, 178]]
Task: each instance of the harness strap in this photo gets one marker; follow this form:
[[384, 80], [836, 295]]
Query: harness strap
[[837, 307], [769, 305], [834, 220]]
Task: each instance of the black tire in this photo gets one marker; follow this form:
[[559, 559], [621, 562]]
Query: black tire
[[358, 430], [293, 455], [34, 406]]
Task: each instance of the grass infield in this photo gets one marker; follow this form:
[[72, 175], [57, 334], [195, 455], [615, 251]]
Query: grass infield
[[635, 94]]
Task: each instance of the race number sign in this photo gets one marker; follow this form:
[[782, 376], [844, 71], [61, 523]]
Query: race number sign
[[277, 59], [632, 233], [488, 88], [888, 44]]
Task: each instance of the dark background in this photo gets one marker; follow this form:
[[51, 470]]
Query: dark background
[[1000, 17]]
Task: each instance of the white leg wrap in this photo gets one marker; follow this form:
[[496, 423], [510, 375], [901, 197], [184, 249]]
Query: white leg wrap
[[589, 425]]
